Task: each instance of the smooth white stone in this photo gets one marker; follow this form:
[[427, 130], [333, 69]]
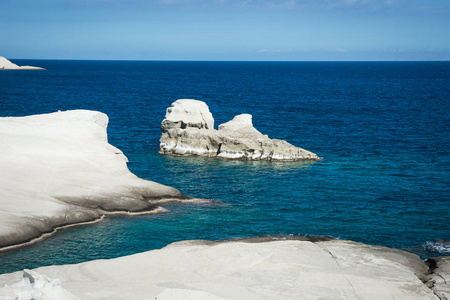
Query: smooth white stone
[[287, 269], [58, 169]]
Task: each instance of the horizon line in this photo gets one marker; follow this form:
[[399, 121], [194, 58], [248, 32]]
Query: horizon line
[[197, 60]]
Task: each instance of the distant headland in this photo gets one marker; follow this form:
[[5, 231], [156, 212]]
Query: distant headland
[[7, 65]]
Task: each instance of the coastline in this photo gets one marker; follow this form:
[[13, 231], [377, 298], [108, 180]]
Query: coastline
[[62, 172], [256, 268], [45, 235], [103, 215], [395, 200]]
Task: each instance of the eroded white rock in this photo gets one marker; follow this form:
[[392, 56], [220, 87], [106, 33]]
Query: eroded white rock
[[188, 113], [35, 286], [439, 279], [279, 269], [188, 129], [58, 169], [240, 125], [5, 64]]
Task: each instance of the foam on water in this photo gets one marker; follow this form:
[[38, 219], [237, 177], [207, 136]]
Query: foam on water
[[439, 247]]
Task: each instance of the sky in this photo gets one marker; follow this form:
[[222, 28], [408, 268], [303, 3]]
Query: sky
[[230, 30]]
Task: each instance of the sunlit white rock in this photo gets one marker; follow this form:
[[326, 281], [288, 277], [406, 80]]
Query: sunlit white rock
[[59, 169], [279, 269], [188, 113], [188, 129], [7, 65], [35, 286]]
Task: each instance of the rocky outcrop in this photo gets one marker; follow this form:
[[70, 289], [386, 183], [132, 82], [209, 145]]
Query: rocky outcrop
[[439, 279], [188, 129], [59, 169], [262, 268], [7, 65]]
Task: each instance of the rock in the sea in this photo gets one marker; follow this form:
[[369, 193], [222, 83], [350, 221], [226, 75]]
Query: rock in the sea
[[291, 268], [188, 114], [7, 65], [188, 129], [59, 169]]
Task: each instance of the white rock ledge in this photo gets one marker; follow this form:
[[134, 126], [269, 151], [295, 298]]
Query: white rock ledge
[[59, 169], [188, 129], [7, 65], [292, 268]]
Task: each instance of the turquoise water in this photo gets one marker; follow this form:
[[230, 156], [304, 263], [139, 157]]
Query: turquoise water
[[381, 129]]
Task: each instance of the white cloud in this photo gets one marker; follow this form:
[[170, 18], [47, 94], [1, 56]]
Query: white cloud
[[272, 51], [424, 7]]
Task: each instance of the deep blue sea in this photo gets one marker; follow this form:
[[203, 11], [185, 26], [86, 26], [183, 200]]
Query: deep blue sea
[[381, 129]]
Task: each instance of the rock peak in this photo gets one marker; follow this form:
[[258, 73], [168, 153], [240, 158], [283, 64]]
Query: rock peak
[[240, 125], [188, 113]]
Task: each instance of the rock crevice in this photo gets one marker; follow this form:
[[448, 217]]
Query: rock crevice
[[439, 278]]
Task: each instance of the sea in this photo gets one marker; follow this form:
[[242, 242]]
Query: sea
[[381, 129]]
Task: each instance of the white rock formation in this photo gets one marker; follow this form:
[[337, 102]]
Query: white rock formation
[[7, 65], [58, 169], [188, 129], [279, 269], [36, 286], [188, 113]]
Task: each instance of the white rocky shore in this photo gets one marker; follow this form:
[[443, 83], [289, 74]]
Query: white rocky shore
[[59, 169], [7, 65], [188, 129], [264, 268]]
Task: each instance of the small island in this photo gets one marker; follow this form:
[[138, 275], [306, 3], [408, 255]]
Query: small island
[[7, 65], [188, 129]]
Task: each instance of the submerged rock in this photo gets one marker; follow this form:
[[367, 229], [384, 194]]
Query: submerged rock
[[188, 129], [280, 268], [59, 169], [7, 65]]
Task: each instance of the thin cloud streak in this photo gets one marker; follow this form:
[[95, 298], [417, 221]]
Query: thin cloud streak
[[292, 4], [272, 51], [381, 6]]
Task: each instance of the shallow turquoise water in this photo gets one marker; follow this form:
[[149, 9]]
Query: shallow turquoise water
[[381, 130]]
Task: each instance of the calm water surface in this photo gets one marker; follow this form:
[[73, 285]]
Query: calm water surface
[[381, 129]]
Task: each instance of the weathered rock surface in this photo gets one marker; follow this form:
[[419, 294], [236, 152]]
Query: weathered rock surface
[[439, 280], [58, 169], [294, 268], [188, 129], [7, 65]]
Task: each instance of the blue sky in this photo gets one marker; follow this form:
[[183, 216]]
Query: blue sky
[[300, 30]]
